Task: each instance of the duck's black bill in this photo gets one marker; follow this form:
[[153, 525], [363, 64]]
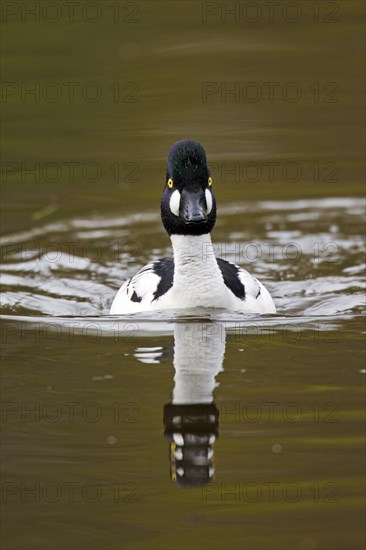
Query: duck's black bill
[[193, 207]]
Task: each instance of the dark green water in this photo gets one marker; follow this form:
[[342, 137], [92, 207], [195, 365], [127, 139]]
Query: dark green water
[[206, 430]]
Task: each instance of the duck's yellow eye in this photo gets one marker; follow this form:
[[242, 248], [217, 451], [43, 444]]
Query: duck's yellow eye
[[170, 183], [209, 181]]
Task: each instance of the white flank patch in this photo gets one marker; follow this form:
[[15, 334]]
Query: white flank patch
[[208, 196], [175, 202]]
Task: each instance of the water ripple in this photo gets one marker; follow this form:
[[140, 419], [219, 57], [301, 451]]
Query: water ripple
[[310, 254]]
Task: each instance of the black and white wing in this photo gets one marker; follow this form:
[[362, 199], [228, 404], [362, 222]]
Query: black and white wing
[[146, 287], [253, 295]]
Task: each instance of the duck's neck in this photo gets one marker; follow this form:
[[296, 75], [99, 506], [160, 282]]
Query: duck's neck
[[194, 258]]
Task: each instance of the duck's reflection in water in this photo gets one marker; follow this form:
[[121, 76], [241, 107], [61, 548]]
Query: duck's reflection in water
[[191, 420]]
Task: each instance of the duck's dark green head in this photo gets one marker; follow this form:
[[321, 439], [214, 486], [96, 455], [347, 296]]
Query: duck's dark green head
[[188, 205]]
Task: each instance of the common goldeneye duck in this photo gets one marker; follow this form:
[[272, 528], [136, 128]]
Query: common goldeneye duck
[[195, 277]]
